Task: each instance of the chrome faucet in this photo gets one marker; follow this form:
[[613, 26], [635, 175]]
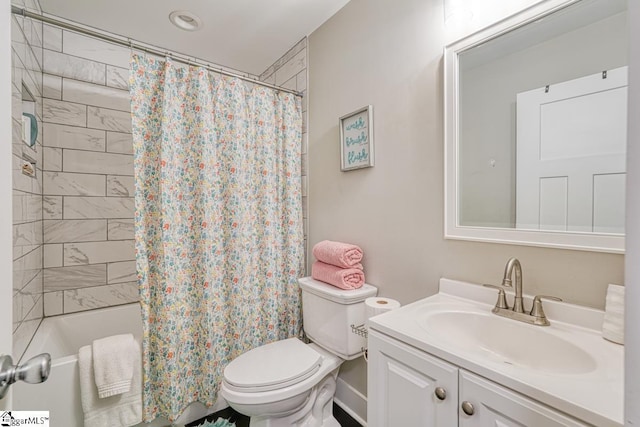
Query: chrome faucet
[[514, 264], [536, 316]]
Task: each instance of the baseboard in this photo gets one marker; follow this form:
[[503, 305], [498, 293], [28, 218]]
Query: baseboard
[[351, 401]]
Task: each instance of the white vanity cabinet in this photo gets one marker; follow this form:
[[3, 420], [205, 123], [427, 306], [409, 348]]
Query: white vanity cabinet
[[402, 384], [409, 387], [494, 405]]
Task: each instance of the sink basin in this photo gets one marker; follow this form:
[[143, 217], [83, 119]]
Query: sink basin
[[508, 341]]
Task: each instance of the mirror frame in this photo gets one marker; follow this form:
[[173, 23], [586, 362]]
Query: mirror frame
[[596, 242]]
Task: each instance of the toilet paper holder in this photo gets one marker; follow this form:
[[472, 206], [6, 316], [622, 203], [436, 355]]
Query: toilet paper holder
[[360, 330]]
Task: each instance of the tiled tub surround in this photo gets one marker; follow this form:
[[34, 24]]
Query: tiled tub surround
[[89, 259], [290, 72], [26, 43]]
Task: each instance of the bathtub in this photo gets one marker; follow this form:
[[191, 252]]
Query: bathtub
[[62, 337]]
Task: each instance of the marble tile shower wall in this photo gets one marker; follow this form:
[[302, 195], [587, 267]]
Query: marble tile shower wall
[[26, 44], [89, 259], [290, 71]]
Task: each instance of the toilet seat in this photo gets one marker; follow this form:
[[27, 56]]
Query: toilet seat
[[248, 396], [272, 366]]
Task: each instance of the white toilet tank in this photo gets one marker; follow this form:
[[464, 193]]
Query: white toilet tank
[[328, 313]]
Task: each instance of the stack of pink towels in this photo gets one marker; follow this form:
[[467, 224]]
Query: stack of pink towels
[[338, 264]]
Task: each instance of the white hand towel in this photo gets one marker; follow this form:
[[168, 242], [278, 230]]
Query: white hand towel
[[613, 325], [113, 364], [115, 411]]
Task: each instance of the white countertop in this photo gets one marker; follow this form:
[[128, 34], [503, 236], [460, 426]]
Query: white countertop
[[596, 397]]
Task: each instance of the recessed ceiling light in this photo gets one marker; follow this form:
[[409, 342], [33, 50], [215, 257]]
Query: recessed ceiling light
[[185, 20]]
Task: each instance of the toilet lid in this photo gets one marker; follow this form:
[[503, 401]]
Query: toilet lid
[[275, 365]]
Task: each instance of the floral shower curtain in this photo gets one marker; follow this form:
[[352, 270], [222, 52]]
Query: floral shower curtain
[[218, 225]]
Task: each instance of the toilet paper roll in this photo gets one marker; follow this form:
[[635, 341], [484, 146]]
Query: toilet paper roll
[[379, 305]]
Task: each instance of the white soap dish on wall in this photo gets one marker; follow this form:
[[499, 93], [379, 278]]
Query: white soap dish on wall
[[29, 168]]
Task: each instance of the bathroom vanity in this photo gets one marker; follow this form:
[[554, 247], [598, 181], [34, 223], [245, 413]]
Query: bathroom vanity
[[447, 360]]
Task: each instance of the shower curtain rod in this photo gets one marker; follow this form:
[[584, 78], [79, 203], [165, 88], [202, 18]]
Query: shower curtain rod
[[138, 46]]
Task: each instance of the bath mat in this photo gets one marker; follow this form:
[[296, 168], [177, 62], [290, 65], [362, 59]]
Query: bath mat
[[220, 422]]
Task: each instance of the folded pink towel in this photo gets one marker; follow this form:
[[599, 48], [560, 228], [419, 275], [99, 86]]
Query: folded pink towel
[[339, 254], [343, 278]]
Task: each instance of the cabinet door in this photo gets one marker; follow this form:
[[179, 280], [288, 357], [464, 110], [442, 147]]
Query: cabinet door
[[494, 405], [402, 382]]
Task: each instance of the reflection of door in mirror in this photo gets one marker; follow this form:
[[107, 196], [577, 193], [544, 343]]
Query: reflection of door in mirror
[[570, 170], [530, 95], [583, 39]]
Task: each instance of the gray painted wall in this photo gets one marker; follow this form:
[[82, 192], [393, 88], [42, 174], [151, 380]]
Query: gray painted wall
[[389, 54]]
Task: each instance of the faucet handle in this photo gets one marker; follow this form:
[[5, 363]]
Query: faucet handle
[[502, 297], [538, 312]]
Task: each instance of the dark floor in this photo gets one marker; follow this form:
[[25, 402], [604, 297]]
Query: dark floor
[[343, 418]]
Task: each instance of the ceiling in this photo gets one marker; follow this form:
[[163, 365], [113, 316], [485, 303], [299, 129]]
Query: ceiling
[[247, 35]]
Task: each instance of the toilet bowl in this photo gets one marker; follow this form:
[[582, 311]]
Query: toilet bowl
[[304, 394], [289, 383]]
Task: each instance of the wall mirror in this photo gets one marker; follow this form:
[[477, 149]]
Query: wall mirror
[[535, 128]]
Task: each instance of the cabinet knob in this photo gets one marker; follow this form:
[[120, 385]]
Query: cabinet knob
[[467, 408], [441, 393]]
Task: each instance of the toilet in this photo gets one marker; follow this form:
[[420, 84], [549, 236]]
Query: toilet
[[290, 383]]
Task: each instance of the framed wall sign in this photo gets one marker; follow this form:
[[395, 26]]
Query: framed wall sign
[[356, 139]]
